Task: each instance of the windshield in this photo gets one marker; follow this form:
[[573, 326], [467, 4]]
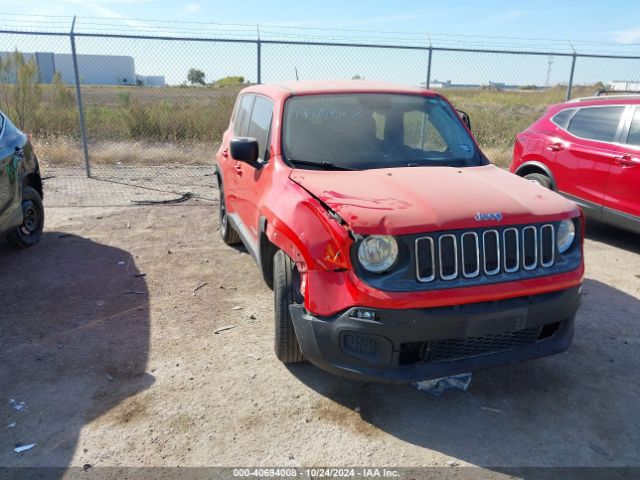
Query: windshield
[[375, 130]]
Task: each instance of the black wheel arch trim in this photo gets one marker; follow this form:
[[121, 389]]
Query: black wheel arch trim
[[218, 173], [266, 250], [259, 251], [262, 234], [538, 166], [33, 180]]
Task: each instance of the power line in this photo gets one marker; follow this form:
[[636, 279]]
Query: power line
[[199, 29]]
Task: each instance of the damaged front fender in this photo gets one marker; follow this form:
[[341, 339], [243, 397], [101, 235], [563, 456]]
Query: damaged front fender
[[306, 230]]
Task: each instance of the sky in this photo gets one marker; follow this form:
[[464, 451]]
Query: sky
[[582, 20], [585, 26]]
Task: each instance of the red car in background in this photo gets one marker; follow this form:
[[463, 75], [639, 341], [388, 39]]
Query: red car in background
[[588, 150]]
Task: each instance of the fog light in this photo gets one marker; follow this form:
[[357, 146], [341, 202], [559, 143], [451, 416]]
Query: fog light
[[363, 314]]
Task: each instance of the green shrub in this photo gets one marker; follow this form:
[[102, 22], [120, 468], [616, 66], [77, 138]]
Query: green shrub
[[20, 92], [178, 122], [63, 97], [229, 82]]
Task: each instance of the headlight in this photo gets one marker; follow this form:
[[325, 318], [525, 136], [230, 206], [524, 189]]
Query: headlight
[[566, 235], [378, 253]]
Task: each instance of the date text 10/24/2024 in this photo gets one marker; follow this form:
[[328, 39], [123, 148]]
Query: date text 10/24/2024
[[316, 472]]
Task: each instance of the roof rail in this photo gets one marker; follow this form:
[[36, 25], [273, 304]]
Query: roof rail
[[604, 94], [604, 91]]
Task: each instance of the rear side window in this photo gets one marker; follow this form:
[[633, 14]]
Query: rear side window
[[596, 123], [242, 117], [260, 123], [634, 130], [561, 118]]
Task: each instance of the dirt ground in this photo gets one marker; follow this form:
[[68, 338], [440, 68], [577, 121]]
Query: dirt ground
[[108, 336]]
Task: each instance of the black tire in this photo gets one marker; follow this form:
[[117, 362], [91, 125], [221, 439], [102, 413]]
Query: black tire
[[286, 291], [540, 178], [227, 232], [30, 232]]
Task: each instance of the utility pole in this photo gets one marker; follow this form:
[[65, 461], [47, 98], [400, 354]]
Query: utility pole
[[549, 64]]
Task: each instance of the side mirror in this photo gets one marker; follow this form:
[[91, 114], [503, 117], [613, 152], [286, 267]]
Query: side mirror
[[464, 116], [244, 149]]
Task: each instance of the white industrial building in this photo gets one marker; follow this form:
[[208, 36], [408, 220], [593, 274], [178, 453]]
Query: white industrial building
[[92, 69], [623, 85], [471, 86]]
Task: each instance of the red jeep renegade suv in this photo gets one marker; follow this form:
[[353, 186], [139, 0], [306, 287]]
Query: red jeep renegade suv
[[588, 150], [395, 250]]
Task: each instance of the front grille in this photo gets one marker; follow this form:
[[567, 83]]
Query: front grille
[[452, 349], [456, 348], [469, 254]]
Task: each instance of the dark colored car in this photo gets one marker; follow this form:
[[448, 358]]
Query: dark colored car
[[21, 208], [589, 151], [395, 250]]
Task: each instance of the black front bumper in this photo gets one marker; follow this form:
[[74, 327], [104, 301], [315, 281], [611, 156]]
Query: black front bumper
[[406, 345]]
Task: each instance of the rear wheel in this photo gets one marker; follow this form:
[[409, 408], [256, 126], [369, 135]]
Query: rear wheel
[[286, 290], [540, 178], [227, 232], [30, 232]]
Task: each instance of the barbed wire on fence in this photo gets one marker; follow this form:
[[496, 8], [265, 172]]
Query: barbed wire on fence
[[227, 31]]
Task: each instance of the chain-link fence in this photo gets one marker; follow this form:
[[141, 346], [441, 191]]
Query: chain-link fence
[[144, 105]]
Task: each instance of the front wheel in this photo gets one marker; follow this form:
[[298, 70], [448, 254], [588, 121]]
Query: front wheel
[[286, 291], [540, 178], [227, 232], [30, 232]]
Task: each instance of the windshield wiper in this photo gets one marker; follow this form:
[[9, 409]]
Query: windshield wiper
[[424, 162], [322, 165]]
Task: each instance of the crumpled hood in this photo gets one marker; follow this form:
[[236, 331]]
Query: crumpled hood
[[410, 200]]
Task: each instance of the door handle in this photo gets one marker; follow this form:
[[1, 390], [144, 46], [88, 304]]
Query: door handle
[[225, 153], [238, 169], [627, 161], [555, 147]]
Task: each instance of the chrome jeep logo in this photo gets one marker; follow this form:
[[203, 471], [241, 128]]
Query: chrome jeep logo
[[483, 217]]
